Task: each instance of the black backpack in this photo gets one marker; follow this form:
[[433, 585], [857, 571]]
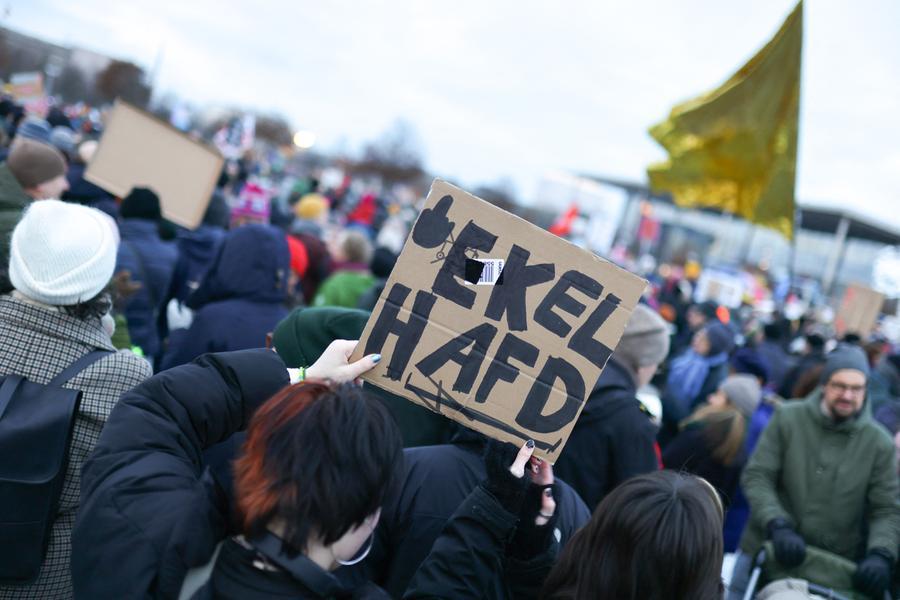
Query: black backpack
[[36, 424]]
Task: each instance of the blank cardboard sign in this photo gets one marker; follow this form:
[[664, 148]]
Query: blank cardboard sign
[[859, 310], [496, 323], [139, 150]]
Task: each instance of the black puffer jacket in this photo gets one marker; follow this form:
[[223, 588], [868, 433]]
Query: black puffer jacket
[[470, 555], [149, 511], [437, 482], [613, 440]]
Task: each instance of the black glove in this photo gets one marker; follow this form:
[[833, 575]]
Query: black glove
[[530, 538], [790, 549], [873, 573], [508, 489]]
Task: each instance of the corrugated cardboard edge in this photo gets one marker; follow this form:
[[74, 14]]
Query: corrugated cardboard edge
[[115, 190], [635, 290]]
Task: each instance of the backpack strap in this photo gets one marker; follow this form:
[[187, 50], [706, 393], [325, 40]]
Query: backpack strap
[[78, 366], [198, 577], [7, 389]]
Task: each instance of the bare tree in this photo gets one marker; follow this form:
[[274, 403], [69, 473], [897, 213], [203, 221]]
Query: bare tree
[[274, 129], [72, 84], [396, 156], [123, 80]]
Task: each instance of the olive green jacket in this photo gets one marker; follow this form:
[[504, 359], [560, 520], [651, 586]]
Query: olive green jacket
[[833, 482], [13, 201]]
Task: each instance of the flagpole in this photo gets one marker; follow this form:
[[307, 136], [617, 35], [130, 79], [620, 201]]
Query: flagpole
[[792, 259]]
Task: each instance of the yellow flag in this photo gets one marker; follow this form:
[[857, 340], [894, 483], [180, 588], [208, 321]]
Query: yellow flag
[[735, 148]]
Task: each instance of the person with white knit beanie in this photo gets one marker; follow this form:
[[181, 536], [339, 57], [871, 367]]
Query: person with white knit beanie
[[62, 254], [61, 260]]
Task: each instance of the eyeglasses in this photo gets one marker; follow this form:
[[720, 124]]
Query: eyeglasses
[[843, 387]]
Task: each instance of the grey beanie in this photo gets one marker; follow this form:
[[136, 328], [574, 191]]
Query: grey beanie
[[845, 357], [743, 392], [645, 340]]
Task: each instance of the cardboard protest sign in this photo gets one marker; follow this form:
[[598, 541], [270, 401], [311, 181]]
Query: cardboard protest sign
[[139, 150], [859, 310], [496, 323]]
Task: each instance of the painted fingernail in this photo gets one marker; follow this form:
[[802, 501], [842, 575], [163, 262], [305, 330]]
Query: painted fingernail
[[376, 358], [529, 444]]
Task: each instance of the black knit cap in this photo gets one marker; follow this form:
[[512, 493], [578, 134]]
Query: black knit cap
[[141, 203]]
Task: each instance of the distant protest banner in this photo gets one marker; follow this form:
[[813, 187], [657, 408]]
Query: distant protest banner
[[859, 310], [496, 323], [139, 150]]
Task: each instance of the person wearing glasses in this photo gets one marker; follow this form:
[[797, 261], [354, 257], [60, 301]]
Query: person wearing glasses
[[824, 475]]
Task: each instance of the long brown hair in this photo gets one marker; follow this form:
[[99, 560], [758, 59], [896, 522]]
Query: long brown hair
[[655, 537], [724, 428]]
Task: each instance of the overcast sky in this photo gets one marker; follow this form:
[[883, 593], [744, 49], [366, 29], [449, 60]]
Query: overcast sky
[[515, 89]]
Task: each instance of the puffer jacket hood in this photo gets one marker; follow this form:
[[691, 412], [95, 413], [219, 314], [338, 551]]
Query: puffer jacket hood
[[252, 264]]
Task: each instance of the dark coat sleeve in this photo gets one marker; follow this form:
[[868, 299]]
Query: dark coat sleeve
[[148, 511], [471, 549], [187, 344], [600, 457]]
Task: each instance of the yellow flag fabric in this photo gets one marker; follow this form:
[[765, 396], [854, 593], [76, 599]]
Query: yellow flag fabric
[[735, 148]]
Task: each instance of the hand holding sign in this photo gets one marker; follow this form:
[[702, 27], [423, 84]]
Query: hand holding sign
[[433, 227]]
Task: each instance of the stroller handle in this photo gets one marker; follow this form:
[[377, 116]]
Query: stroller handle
[[833, 561]]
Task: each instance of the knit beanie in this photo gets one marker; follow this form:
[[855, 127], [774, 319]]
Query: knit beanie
[[302, 336], [645, 340], [721, 338], [63, 139], [708, 309], [845, 357], [311, 206], [253, 204], [34, 128], [749, 361], [743, 392], [382, 263], [33, 163], [61, 253], [141, 203]]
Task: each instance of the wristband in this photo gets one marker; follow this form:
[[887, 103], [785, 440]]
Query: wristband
[[297, 375]]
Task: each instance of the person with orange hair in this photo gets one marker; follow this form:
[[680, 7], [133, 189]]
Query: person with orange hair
[[151, 511], [317, 465]]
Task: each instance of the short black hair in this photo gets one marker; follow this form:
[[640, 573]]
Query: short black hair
[[772, 332], [318, 458], [851, 337]]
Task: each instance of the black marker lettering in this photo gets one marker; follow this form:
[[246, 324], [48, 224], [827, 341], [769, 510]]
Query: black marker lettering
[[530, 416], [408, 334], [583, 341], [470, 363], [510, 297], [445, 284], [510, 347], [557, 296]]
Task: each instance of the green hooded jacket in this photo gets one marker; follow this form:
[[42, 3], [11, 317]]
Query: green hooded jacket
[[831, 481], [13, 201]]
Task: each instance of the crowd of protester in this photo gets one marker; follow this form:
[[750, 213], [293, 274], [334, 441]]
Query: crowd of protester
[[223, 449]]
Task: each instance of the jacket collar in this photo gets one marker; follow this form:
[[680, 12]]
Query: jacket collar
[[12, 196], [52, 321]]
